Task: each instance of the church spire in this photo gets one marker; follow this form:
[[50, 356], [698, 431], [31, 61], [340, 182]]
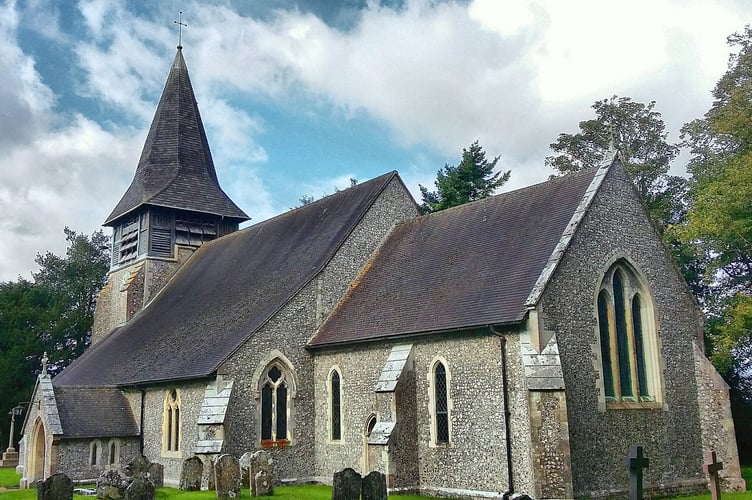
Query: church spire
[[176, 169], [175, 196]]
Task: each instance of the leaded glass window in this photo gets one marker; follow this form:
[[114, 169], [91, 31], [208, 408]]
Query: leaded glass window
[[335, 407], [171, 437], [628, 345], [274, 405], [442, 406]]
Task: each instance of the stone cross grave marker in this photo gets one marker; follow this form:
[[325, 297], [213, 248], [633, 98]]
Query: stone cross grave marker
[[635, 462], [374, 486], [227, 477], [711, 468], [346, 485], [56, 487]]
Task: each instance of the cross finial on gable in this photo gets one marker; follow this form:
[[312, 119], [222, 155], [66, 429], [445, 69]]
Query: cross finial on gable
[[180, 24], [611, 139], [45, 360]]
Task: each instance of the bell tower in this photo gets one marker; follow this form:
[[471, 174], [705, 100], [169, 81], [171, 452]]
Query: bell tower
[[173, 205]]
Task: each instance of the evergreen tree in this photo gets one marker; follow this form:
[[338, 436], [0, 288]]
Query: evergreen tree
[[471, 180]]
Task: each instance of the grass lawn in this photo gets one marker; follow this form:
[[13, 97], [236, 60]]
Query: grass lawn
[[9, 479]]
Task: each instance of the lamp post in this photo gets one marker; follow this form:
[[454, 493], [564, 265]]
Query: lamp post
[[15, 412]]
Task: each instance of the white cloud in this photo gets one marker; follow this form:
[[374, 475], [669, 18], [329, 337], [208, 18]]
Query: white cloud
[[438, 75]]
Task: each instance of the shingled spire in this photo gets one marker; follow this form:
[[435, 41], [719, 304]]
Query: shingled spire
[[175, 197]]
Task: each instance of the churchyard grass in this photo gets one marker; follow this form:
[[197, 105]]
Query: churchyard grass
[[308, 492], [9, 478]]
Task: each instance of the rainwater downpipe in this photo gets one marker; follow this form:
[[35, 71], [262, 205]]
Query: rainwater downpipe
[[507, 412], [141, 428]]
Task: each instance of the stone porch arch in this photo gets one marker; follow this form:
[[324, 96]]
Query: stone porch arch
[[37, 449]]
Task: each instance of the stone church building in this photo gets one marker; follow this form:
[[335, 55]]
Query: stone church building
[[522, 342]]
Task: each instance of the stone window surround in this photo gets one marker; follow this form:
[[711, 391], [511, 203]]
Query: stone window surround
[[172, 425], [113, 453], [276, 357], [634, 283], [95, 450], [329, 419], [432, 402]]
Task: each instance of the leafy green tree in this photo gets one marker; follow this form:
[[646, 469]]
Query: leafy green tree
[[52, 314], [719, 219], [637, 131], [471, 180], [27, 313], [75, 280]]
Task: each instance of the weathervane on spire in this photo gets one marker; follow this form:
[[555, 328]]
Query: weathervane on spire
[[180, 24]]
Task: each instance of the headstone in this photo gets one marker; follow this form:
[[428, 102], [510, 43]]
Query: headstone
[[190, 475], [259, 460], [207, 482], [711, 468], [245, 468], [264, 484], [141, 488], [635, 462], [156, 474], [139, 467], [111, 485], [227, 477], [56, 487], [374, 486], [346, 485]]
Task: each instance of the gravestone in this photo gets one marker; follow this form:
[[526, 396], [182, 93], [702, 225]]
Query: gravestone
[[260, 460], [374, 486], [346, 485], [635, 462], [264, 484], [56, 487], [711, 468], [111, 485], [156, 474], [245, 469], [141, 488], [190, 474], [208, 480], [227, 477], [139, 467]]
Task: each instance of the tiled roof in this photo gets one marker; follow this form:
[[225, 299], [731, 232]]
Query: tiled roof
[[176, 169], [469, 266], [87, 412], [227, 290]]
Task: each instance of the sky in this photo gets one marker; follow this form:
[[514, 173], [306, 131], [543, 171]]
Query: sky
[[300, 96]]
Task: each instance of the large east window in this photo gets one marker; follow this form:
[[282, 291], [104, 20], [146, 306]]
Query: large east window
[[627, 334]]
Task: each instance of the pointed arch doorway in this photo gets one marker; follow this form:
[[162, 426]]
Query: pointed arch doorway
[[37, 452]]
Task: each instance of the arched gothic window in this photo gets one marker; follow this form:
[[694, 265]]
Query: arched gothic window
[[335, 405], [627, 334], [171, 423], [94, 450], [275, 399], [440, 403], [113, 452]]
